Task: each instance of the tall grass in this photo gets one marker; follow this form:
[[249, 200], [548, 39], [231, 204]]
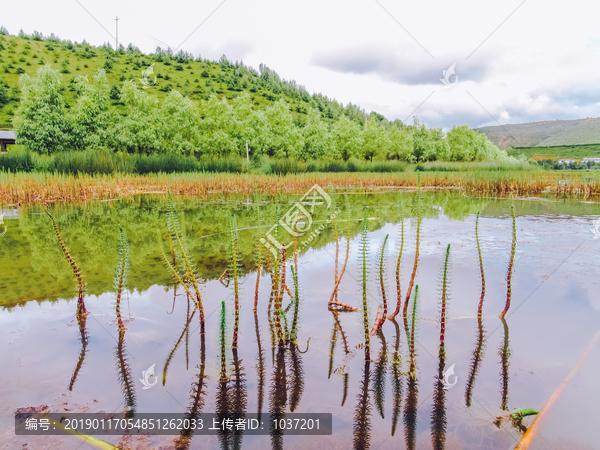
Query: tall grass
[[23, 188]]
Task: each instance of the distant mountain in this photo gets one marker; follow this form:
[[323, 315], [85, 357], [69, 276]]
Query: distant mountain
[[545, 134]]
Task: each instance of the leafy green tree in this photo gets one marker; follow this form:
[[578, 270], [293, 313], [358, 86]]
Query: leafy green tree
[[316, 137], [347, 139], [423, 144], [40, 121], [401, 144], [216, 127], [141, 130], [283, 139], [91, 118], [4, 96], [179, 123], [376, 141]]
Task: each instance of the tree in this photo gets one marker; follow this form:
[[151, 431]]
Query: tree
[[216, 128], [401, 144], [424, 146], [316, 137], [282, 138], [376, 142], [180, 124], [92, 119], [40, 122], [347, 139]]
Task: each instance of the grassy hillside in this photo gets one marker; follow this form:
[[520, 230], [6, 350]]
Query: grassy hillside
[[558, 152], [195, 78], [545, 134]]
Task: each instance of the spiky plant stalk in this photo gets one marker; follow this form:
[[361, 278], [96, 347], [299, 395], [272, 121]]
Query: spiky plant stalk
[[379, 377], [512, 258], [396, 368], [416, 264], [444, 301], [480, 307], [121, 274], [125, 376], [296, 302], [505, 361], [382, 256], [234, 269], [337, 240], [189, 276], [475, 361], [332, 345], [260, 368], [74, 267], [412, 330], [364, 249], [279, 297], [362, 414], [259, 255], [222, 337], [398, 290]]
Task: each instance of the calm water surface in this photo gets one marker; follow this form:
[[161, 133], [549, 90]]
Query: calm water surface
[[555, 314]]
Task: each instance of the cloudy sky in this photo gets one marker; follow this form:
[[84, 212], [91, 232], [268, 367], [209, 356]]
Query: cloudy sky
[[515, 61]]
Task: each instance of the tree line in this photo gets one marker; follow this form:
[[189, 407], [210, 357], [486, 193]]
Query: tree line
[[215, 127]]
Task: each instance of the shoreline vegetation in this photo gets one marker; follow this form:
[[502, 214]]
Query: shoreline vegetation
[[39, 188]]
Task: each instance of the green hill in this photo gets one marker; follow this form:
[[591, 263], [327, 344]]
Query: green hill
[[552, 133], [196, 78]]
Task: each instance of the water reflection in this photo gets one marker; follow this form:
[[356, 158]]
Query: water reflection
[[125, 377], [83, 338], [395, 371], [362, 412], [504, 359], [476, 358]]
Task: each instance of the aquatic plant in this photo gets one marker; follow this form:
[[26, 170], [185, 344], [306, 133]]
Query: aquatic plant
[[505, 363], [83, 337], [234, 270], [379, 376], [480, 307], [125, 376], [410, 412], [478, 353], [238, 396], [418, 214], [278, 398], [411, 331], [332, 345], [381, 272], [188, 278], [223, 400], [197, 399], [395, 369], [176, 346], [296, 303], [510, 270], [445, 295], [296, 383], [259, 255], [260, 368], [121, 273], [438, 414], [74, 267], [333, 303], [398, 262], [364, 274], [222, 338], [362, 414]]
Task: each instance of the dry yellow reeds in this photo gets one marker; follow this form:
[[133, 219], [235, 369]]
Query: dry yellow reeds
[[30, 188]]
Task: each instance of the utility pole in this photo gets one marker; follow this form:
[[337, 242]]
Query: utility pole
[[117, 34]]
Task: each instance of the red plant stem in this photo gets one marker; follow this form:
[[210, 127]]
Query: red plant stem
[[480, 308], [510, 264], [279, 297], [414, 272], [236, 323]]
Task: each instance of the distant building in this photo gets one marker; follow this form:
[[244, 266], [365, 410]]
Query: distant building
[[567, 161], [6, 138], [596, 160]]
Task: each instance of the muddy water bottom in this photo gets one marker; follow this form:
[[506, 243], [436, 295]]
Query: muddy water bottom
[[554, 315]]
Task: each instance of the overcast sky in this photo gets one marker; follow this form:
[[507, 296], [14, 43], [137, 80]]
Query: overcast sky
[[516, 61]]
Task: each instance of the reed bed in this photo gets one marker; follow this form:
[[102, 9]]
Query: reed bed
[[31, 188]]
